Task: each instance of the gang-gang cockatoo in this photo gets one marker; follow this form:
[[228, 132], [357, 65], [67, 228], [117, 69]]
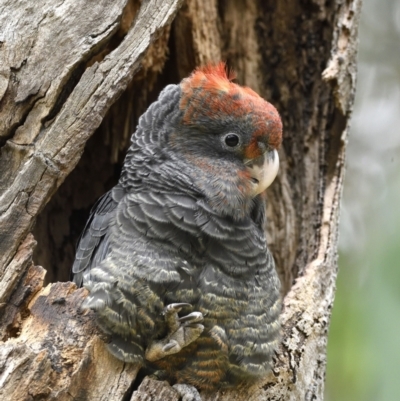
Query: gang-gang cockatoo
[[174, 256]]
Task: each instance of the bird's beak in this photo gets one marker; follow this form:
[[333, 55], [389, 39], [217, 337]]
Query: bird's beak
[[263, 170]]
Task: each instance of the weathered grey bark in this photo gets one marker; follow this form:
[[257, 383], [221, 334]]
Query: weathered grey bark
[[63, 66]]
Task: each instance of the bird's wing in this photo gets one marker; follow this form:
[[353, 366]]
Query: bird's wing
[[94, 242]]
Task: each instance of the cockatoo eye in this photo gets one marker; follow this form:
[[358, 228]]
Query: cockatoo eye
[[231, 140]]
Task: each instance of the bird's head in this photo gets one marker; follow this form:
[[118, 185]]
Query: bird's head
[[223, 139]]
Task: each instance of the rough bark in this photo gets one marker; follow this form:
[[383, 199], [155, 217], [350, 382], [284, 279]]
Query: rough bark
[[63, 66]]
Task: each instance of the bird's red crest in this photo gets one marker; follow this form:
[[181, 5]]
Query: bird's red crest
[[210, 92]]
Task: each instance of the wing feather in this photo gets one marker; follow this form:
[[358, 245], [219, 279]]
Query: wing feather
[[93, 243]]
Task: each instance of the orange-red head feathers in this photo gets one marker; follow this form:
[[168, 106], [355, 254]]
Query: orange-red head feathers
[[209, 93]]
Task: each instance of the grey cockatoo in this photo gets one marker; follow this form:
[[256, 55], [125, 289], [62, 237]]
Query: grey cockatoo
[[175, 256]]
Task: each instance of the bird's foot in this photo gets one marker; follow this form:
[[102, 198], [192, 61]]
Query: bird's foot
[[181, 332]]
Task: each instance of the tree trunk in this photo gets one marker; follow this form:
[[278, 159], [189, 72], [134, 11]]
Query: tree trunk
[[71, 69]]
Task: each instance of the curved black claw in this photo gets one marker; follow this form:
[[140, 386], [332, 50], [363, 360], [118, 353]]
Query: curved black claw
[[181, 332]]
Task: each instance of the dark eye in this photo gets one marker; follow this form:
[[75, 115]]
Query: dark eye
[[232, 140]]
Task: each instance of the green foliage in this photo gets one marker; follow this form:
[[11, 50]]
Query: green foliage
[[364, 340]]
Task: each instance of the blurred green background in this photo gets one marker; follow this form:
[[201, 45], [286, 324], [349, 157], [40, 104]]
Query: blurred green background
[[364, 338]]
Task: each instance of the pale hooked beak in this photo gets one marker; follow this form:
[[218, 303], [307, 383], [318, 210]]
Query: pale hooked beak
[[263, 170]]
